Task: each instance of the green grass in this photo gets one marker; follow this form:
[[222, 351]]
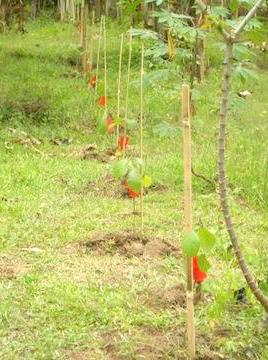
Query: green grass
[[61, 303]]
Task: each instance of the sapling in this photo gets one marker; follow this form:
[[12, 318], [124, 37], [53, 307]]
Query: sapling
[[185, 95], [196, 266], [230, 38]]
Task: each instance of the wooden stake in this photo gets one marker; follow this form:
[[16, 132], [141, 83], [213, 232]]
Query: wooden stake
[[141, 125], [127, 85], [119, 86], [105, 64], [91, 44], [98, 56], [82, 20], [188, 222]]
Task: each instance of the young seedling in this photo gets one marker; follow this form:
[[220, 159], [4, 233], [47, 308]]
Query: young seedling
[[197, 245], [133, 177], [188, 221]]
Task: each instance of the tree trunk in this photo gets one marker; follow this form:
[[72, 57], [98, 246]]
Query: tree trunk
[[251, 281]]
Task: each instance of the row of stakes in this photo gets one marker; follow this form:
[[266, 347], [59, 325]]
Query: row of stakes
[[193, 272]]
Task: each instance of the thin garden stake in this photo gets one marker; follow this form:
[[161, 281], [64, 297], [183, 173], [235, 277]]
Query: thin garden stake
[[91, 46], [127, 85], [82, 28], [141, 125], [105, 64], [98, 56], [119, 86], [188, 221]]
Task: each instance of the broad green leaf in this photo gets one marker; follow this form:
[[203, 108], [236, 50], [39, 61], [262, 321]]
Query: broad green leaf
[[134, 180], [147, 181], [191, 244], [120, 168], [207, 239], [203, 263]]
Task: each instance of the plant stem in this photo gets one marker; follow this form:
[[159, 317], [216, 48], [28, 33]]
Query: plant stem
[[222, 179], [188, 221]]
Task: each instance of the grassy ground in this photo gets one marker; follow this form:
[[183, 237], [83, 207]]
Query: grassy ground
[[58, 299]]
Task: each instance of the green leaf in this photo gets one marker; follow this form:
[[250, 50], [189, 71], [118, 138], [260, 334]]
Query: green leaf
[[118, 121], [101, 121], [147, 181], [207, 239], [120, 168], [191, 244], [134, 180], [203, 263], [234, 5]]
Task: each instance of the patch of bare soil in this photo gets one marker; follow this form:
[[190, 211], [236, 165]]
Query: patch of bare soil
[[172, 297], [111, 188], [157, 344], [129, 244], [158, 187], [91, 152], [10, 269], [82, 355], [107, 187]]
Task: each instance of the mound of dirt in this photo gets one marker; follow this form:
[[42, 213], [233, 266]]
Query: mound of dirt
[[130, 244], [91, 152], [108, 187], [9, 269], [167, 298]]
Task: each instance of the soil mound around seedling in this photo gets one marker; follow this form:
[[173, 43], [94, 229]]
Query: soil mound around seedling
[[9, 269], [167, 298], [108, 187], [91, 152], [129, 244]]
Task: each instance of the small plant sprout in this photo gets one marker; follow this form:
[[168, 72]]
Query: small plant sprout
[[133, 177]]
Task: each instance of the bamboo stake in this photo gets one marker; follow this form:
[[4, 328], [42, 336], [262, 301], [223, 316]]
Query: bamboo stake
[[119, 86], [141, 125], [91, 44], [127, 85], [82, 28], [105, 65], [98, 56], [188, 222]]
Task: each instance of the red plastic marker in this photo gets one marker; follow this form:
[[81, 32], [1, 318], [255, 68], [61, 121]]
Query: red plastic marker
[[199, 276]]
